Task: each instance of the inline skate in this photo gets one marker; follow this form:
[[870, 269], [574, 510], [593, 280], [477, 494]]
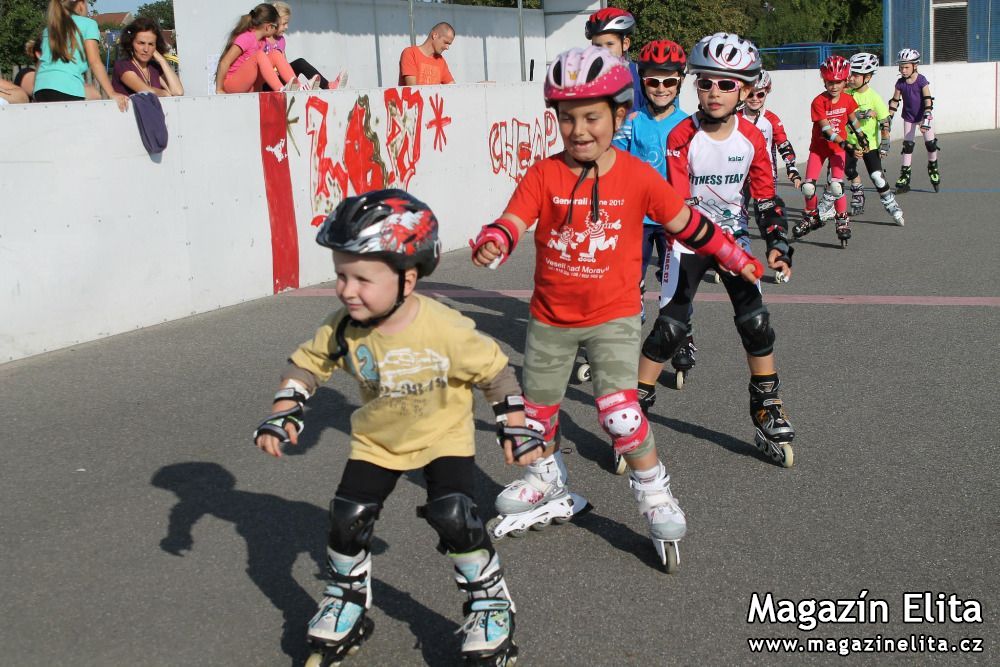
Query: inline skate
[[843, 229], [683, 361], [341, 625], [810, 221], [536, 500], [667, 524], [857, 199], [892, 208], [774, 433], [489, 611], [903, 182], [826, 206], [934, 175]]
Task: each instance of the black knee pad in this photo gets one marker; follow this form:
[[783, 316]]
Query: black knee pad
[[908, 147], [756, 332], [665, 339], [931, 145], [351, 525], [455, 517]]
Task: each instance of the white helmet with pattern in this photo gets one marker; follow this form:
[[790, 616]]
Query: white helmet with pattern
[[864, 63], [910, 56], [725, 54], [764, 82]]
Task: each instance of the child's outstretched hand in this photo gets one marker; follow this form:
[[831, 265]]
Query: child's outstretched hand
[[270, 443], [486, 254]]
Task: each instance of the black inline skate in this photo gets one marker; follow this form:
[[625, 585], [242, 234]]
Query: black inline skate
[[774, 433], [843, 229], [683, 361], [934, 174], [903, 182]]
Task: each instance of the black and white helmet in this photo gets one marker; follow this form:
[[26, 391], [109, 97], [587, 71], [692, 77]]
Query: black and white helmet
[[864, 63], [911, 56], [725, 54]]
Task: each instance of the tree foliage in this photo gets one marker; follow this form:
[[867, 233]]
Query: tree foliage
[[20, 20], [161, 11]]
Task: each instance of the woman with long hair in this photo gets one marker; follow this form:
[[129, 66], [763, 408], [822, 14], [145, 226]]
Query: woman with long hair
[[142, 67]]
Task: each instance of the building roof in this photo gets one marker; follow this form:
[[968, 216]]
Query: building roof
[[113, 18]]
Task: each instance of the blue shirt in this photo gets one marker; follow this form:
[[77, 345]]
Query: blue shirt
[[646, 138]]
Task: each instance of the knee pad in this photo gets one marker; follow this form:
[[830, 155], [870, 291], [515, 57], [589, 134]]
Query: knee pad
[[878, 178], [542, 418], [851, 172], [351, 525], [931, 145], [809, 188], [756, 332], [622, 418], [836, 188], [908, 147], [665, 339], [456, 520]]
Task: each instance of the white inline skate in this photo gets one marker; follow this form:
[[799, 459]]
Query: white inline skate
[[340, 625], [667, 524], [536, 500], [826, 207], [489, 611], [892, 208]]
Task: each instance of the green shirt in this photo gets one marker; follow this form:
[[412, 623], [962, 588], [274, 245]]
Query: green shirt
[[59, 75], [869, 101]]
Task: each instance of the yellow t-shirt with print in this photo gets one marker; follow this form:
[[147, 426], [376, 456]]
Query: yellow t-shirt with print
[[416, 385]]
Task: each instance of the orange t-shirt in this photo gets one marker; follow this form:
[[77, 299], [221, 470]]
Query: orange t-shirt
[[585, 272], [428, 70]]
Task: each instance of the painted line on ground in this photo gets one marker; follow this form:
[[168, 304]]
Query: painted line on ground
[[769, 297]]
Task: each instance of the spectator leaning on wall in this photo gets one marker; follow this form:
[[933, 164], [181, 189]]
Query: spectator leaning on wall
[[424, 64], [142, 67]]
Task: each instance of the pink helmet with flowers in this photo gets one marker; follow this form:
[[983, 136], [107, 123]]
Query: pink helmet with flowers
[[835, 68], [588, 73]]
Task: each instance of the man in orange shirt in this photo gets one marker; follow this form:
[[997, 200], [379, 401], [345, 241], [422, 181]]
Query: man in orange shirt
[[424, 64]]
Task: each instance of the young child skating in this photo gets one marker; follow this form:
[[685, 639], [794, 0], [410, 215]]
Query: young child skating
[[644, 133], [773, 129], [832, 114], [914, 91], [873, 119], [416, 361], [589, 202], [718, 158], [611, 28]]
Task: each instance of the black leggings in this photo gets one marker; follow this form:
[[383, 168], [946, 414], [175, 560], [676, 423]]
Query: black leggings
[[302, 66], [49, 95], [873, 163]]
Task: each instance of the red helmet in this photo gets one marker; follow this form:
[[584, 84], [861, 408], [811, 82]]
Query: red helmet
[[610, 19], [835, 68], [662, 54]]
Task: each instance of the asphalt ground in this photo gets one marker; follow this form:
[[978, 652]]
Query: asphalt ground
[[141, 527]]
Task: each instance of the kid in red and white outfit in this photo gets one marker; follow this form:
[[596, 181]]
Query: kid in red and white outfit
[[589, 202], [773, 130], [832, 114], [714, 158]]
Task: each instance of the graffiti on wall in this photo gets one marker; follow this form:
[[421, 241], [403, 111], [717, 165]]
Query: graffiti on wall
[[362, 167], [516, 145], [439, 122]]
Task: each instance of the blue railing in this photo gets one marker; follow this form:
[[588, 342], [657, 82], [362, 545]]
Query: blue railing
[[809, 56]]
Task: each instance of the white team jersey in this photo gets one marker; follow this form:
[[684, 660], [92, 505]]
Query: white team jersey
[[722, 175]]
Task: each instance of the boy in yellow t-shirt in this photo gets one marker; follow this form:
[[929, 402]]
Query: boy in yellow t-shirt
[[417, 361]]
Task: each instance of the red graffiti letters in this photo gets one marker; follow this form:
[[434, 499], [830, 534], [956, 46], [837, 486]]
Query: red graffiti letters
[[515, 146], [405, 109], [438, 123]]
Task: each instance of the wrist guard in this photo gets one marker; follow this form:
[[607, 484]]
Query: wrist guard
[[293, 392], [523, 439], [787, 154], [775, 226], [502, 232], [893, 107], [277, 423]]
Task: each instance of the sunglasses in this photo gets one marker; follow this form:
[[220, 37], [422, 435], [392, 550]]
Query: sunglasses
[[666, 81], [759, 95], [725, 85]]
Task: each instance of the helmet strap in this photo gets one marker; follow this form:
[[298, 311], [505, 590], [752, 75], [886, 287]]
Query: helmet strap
[[572, 195]]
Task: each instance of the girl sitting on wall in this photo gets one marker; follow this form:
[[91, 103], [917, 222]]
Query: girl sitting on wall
[[142, 67], [244, 66]]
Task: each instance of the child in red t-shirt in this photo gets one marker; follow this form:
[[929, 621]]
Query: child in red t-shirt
[[588, 245], [832, 114]]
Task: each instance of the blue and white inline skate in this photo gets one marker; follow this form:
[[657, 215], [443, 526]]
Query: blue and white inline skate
[[341, 625]]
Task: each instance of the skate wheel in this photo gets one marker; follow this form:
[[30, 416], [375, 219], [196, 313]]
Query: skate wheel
[[620, 466], [541, 525], [679, 380], [670, 566], [315, 660], [716, 278], [491, 526], [583, 373], [843, 243], [518, 532], [787, 456], [560, 520]]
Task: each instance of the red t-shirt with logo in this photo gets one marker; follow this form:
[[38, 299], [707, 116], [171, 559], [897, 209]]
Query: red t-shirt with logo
[[585, 271], [835, 112]]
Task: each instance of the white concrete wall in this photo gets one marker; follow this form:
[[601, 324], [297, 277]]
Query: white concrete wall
[[97, 238], [365, 37]]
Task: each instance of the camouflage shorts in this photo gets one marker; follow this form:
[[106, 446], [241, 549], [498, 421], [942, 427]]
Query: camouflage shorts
[[612, 350]]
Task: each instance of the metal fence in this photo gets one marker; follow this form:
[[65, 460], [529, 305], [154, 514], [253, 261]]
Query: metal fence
[[809, 56]]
